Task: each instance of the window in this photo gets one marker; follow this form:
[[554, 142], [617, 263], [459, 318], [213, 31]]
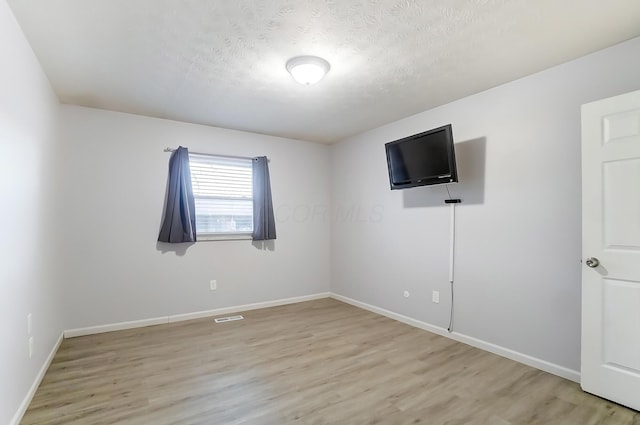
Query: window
[[222, 190]]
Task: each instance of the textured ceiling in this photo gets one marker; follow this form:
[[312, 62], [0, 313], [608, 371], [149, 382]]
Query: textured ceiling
[[222, 63]]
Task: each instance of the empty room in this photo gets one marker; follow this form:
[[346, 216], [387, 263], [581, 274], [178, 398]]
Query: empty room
[[269, 212]]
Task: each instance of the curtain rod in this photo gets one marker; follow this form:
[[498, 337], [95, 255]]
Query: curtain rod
[[213, 154]]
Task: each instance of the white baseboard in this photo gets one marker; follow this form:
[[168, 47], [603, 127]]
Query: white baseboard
[[71, 333], [246, 307], [36, 383], [189, 316], [544, 365]]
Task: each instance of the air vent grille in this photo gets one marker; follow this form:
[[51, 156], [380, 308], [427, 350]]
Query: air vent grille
[[228, 319]]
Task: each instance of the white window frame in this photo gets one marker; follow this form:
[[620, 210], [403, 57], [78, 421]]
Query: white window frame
[[198, 158]]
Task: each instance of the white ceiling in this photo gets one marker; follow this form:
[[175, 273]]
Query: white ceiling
[[222, 63]]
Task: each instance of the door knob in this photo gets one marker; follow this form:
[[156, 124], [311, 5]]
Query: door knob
[[592, 262]]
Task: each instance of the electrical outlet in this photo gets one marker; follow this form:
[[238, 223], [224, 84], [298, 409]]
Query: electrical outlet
[[406, 294], [213, 284], [29, 328], [435, 297], [30, 347]]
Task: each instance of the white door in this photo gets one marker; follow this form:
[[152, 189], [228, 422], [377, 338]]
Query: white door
[[611, 237]]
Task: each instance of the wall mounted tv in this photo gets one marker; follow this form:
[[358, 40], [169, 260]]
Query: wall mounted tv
[[422, 159]]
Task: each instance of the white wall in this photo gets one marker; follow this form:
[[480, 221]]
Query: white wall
[[28, 284], [518, 259], [518, 230], [114, 185]]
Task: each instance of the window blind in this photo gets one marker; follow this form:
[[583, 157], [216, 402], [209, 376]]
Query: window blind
[[222, 189]]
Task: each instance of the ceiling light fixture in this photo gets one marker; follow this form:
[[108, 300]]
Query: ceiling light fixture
[[307, 70]]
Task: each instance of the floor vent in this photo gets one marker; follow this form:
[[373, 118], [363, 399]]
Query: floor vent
[[228, 319]]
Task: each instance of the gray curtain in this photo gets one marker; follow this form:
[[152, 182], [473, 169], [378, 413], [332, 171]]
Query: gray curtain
[[264, 224], [179, 222]]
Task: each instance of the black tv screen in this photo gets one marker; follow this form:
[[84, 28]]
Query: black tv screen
[[422, 159]]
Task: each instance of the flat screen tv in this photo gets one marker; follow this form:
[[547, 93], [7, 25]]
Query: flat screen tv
[[422, 159]]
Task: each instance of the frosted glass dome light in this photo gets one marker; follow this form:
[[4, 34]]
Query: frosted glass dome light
[[307, 70]]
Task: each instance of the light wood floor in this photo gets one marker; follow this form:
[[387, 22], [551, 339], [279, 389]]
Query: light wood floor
[[313, 363]]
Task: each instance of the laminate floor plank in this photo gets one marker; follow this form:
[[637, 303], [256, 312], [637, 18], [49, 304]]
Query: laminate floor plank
[[314, 363]]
